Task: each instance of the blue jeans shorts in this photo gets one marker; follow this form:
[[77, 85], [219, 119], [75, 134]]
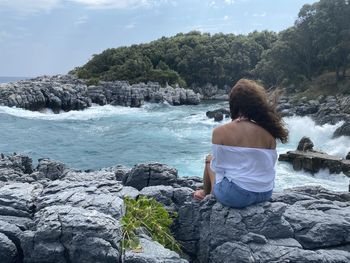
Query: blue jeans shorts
[[230, 194]]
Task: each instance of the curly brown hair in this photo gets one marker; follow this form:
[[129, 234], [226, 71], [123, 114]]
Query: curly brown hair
[[249, 99]]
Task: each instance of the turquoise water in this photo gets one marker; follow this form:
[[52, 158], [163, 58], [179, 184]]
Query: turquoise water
[[179, 136], [11, 79]]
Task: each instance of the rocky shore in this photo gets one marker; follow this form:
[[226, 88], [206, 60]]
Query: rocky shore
[[326, 109], [66, 92], [52, 213]]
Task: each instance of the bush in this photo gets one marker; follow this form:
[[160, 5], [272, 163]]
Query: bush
[[149, 215]]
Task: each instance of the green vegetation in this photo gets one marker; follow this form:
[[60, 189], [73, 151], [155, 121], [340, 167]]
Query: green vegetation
[[318, 43], [151, 216]]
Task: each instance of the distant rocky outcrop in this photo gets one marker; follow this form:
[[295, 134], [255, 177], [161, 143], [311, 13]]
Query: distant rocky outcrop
[[52, 213], [66, 92], [121, 93], [324, 109]]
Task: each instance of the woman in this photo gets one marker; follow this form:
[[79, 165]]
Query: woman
[[241, 170]]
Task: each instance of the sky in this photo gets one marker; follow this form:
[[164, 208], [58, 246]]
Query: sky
[[39, 37]]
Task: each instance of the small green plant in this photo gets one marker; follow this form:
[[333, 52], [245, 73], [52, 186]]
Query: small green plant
[[93, 81], [150, 215]]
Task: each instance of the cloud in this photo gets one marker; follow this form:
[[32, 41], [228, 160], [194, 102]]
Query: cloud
[[81, 20], [29, 6], [130, 26], [4, 35], [117, 4], [226, 17], [34, 6], [260, 15], [229, 2]]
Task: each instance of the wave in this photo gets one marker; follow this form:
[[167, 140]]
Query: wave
[[321, 136], [94, 112]]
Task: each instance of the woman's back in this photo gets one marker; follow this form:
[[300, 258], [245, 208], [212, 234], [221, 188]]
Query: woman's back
[[243, 133]]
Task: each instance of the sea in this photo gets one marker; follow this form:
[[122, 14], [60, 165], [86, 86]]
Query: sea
[[179, 136]]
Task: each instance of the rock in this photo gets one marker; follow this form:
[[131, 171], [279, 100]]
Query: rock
[[8, 251], [305, 144], [218, 117], [171, 198], [268, 232], [144, 175], [152, 252], [313, 161], [343, 130], [66, 92], [72, 234], [61, 92], [76, 218], [348, 156], [50, 169], [218, 112]]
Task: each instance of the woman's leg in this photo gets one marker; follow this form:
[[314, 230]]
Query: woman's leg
[[208, 180]]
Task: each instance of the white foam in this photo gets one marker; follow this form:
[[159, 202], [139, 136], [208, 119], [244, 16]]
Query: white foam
[[93, 112]]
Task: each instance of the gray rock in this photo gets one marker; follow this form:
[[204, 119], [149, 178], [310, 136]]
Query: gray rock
[[91, 196], [152, 252], [72, 234], [8, 251], [305, 144], [50, 169], [306, 229], [343, 130], [144, 175]]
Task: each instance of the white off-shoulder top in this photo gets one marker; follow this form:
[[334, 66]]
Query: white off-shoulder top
[[252, 169]]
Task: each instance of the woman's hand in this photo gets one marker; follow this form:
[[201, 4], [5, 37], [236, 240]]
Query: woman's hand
[[208, 159]]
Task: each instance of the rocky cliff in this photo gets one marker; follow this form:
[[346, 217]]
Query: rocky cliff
[[52, 213], [66, 92]]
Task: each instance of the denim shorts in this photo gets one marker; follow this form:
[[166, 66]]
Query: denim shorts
[[230, 194]]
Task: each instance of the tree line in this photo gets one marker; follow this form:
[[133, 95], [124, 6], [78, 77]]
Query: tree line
[[319, 41]]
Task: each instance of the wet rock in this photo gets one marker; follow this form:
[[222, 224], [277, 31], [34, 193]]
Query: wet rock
[[219, 112], [313, 161], [343, 130], [305, 144]]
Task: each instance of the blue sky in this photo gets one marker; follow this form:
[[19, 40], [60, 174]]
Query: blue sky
[[53, 36]]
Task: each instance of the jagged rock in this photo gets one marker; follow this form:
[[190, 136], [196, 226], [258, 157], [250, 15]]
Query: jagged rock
[[8, 251], [152, 252], [72, 234], [221, 112], [305, 144], [76, 218], [66, 92], [61, 92], [343, 130], [144, 175], [88, 195], [270, 231], [169, 196], [50, 169], [18, 199], [313, 161], [348, 156]]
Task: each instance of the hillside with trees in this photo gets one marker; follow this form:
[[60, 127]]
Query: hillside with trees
[[318, 45]]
